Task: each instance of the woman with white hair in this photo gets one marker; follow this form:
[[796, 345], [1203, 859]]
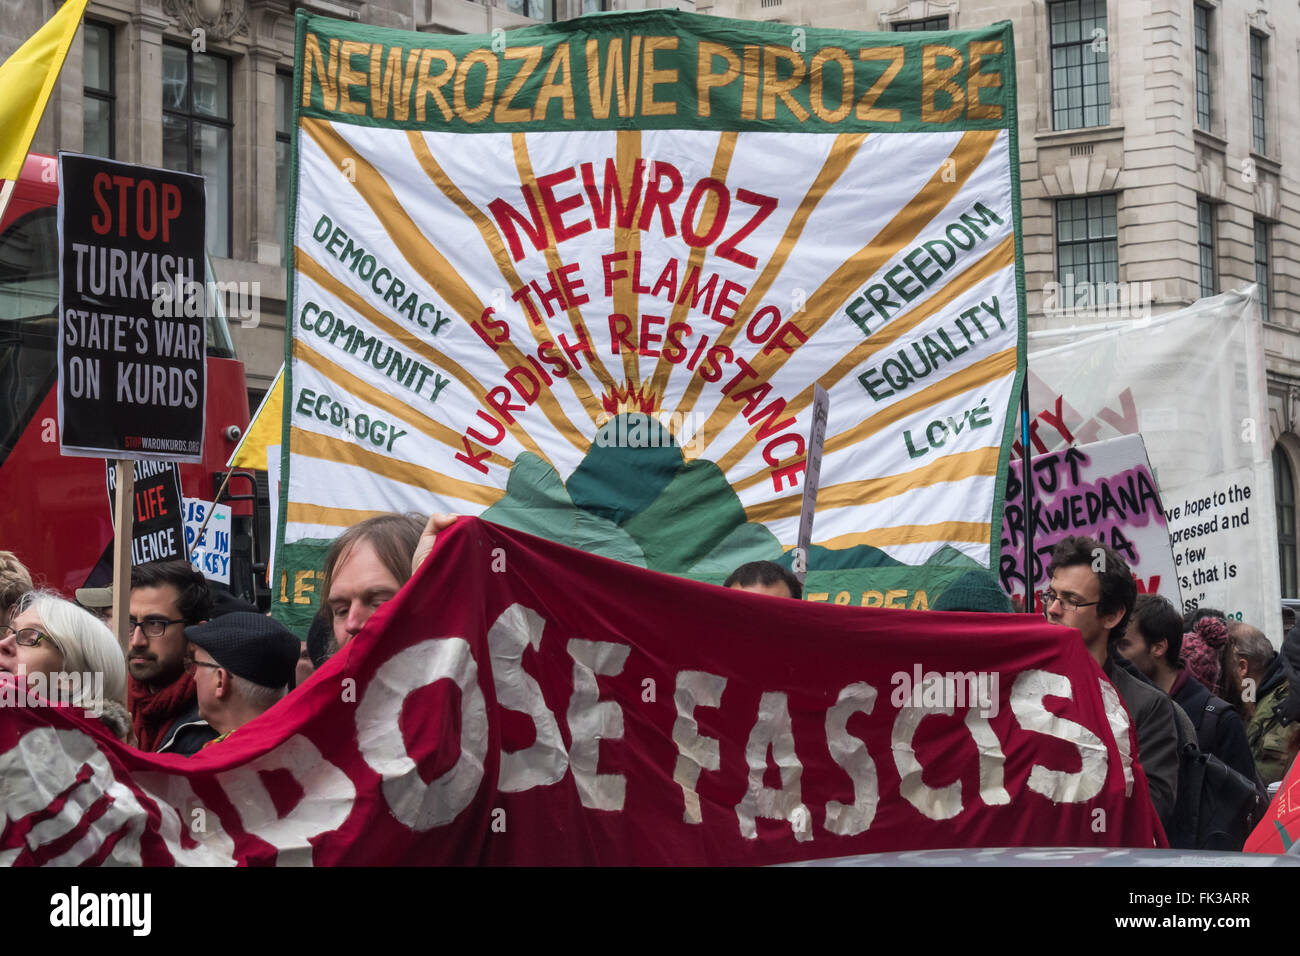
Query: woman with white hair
[[66, 655]]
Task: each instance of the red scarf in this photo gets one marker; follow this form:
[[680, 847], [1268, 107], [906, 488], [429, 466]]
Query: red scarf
[[153, 713]]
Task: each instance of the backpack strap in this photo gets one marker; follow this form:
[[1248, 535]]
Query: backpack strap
[[1210, 719]]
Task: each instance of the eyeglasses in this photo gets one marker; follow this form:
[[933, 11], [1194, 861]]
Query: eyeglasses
[[1050, 597], [153, 626], [192, 665], [27, 637]]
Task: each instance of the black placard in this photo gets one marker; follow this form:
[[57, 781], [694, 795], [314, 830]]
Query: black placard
[[158, 522], [132, 308]]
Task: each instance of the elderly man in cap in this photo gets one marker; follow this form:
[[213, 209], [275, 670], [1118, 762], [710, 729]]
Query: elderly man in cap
[[242, 664], [98, 601]]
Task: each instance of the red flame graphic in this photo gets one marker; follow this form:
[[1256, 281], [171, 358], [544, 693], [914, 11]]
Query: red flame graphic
[[626, 398]]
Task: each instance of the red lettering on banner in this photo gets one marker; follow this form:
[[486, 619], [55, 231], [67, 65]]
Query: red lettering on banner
[[1056, 418], [468, 456], [524, 385], [789, 473], [1124, 422], [493, 332], [710, 214], [149, 212]]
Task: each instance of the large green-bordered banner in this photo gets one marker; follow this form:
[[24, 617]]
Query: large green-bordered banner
[[582, 279]]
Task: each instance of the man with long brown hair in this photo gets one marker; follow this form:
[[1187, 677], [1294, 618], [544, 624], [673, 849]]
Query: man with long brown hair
[[368, 564]]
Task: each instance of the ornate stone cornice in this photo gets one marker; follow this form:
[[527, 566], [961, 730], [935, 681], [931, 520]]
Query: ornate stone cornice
[[219, 19], [1079, 176], [1212, 185], [1259, 22], [921, 10], [1267, 202]]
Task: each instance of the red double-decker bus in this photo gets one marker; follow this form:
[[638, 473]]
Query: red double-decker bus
[[54, 510]]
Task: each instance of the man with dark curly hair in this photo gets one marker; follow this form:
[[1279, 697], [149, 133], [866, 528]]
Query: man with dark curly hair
[[765, 577], [166, 597], [1093, 591]]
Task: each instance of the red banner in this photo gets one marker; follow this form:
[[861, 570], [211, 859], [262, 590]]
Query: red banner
[[523, 702], [1279, 831]]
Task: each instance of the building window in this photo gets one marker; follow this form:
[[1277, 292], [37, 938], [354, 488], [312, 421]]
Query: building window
[[911, 26], [97, 117], [533, 9], [196, 130], [1205, 247], [283, 124], [1284, 493], [1261, 267], [1202, 38], [594, 6], [1087, 246], [1259, 136], [1080, 64]]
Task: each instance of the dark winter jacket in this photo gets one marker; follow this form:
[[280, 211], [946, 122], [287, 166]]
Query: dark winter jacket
[[1219, 729], [1269, 731], [188, 733], [1153, 715]]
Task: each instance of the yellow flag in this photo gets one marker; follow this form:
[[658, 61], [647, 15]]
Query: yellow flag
[[263, 430], [27, 78]]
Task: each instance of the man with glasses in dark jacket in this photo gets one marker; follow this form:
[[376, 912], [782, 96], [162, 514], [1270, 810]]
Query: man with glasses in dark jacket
[[1093, 591], [166, 597]]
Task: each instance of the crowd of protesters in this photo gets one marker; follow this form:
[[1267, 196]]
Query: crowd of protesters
[[199, 663]]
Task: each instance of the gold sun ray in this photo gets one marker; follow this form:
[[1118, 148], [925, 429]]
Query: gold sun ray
[[425, 257], [906, 225], [343, 452], [996, 259], [628, 241], [395, 407], [313, 270], [954, 467], [721, 165], [841, 154], [528, 179], [492, 239]]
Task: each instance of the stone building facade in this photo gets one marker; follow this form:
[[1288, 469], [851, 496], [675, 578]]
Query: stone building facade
[[1170, 128]]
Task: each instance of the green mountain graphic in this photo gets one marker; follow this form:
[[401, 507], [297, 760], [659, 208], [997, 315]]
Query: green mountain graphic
[[644, 505], [647, 505]]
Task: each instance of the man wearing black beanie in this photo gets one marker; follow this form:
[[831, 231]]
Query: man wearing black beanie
[[242, 664]]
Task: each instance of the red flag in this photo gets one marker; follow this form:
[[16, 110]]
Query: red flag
[[1279, 831], [523, 702]]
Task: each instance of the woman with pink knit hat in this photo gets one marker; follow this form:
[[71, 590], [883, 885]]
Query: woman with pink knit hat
[[1202, 650]]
